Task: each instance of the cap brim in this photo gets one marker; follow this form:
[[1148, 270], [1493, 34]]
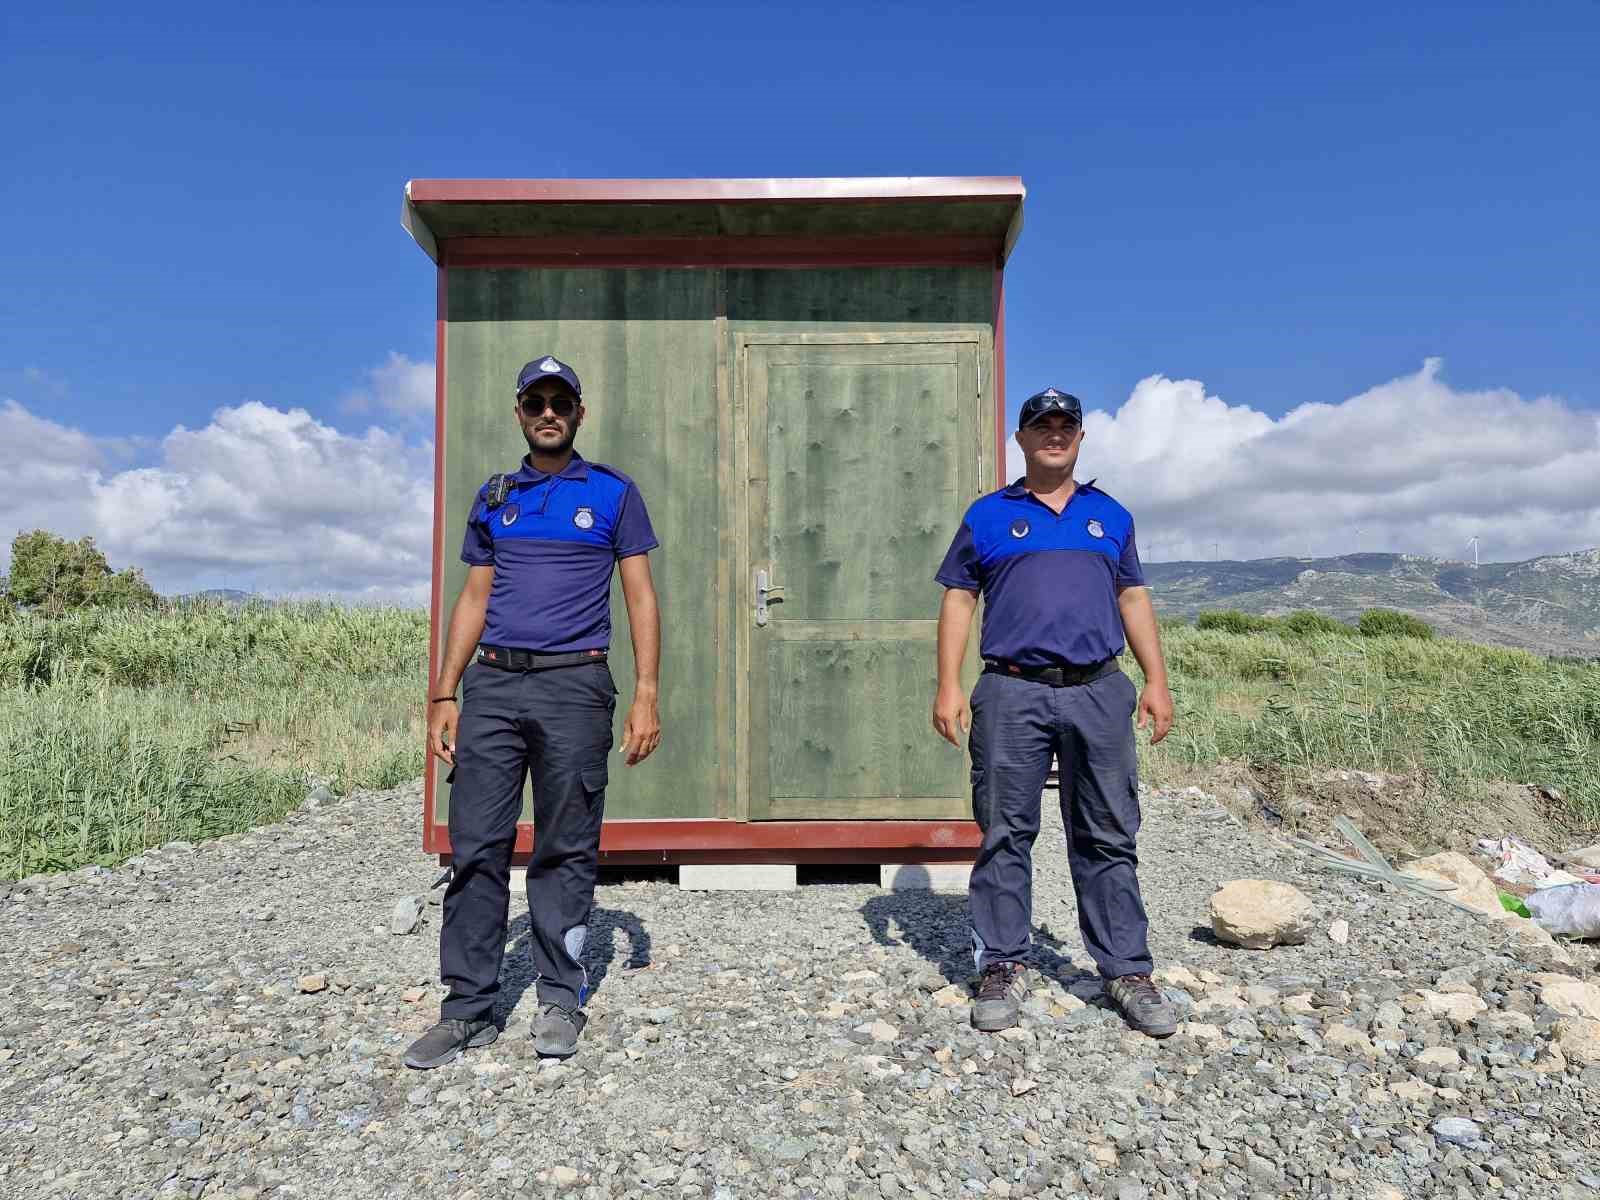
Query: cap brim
[[562, 380], [1052, 412]]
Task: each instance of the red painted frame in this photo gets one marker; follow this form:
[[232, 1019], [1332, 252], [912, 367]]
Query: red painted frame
[[868, 189], [711, 840], [896, 251]]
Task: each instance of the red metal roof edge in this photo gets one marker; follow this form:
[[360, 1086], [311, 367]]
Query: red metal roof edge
[[715, 191]]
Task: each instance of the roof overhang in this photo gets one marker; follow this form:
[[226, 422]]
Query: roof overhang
[[692, 221]]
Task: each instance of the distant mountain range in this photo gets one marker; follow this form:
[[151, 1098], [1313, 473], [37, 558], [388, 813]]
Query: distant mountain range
[[1550, 605]]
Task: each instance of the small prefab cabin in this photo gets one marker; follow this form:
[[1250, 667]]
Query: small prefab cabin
[[804, 377]]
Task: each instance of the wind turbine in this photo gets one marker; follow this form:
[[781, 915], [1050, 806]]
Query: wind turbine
[[1472, 544]]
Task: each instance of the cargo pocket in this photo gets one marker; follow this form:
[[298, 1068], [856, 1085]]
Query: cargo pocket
[[981, 807], [594, 781]]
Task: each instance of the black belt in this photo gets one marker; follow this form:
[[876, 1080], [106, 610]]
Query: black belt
[[510, 658], [1068, 676]]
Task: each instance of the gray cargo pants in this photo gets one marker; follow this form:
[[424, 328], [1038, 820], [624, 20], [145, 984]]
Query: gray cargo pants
[[1017, 724], [556, 724]]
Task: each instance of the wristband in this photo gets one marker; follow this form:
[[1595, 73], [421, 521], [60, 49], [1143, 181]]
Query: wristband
[[442, 699]]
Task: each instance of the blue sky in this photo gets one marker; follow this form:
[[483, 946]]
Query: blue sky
[[1291, 203]]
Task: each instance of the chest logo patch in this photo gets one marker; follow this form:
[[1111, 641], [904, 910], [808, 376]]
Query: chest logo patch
[[584, 518], [510, 515], [1096, 529], [1019, 527]]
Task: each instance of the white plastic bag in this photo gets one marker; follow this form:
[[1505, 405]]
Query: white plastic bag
[[1571, 911], [1521, 863]]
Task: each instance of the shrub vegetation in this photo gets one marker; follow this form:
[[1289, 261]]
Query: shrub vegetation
[[1294, 703], [122, 727]]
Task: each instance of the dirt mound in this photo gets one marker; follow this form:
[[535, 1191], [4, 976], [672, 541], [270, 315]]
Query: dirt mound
[[1406, 816]]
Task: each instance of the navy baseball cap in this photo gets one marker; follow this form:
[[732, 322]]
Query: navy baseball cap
[[548, 367], [1048, 401]]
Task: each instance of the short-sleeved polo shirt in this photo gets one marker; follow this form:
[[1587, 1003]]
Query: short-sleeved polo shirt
[[1049, 582], [553, 545]]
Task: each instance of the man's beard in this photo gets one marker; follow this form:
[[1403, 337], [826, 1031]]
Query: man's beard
[[560, 448]]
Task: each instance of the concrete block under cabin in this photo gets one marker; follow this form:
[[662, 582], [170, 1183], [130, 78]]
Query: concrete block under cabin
[[738, 877], [805, 378], [925, 877]]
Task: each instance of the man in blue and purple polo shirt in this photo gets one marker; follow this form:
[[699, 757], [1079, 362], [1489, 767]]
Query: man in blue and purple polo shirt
[[1063, 593], [534, 622]]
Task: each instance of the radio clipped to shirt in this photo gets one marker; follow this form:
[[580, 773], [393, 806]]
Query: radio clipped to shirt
[[497, 490]]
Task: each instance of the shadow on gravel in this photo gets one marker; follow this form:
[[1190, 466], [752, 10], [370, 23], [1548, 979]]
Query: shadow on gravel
[[936, 927], [516, 974], [931, 923]]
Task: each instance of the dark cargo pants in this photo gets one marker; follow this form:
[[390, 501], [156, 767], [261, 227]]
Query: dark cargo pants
[[1017, 724], [556, 724]]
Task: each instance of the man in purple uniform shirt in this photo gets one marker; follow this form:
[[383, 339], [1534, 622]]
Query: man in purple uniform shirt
[[534, 622], [1063, 594]]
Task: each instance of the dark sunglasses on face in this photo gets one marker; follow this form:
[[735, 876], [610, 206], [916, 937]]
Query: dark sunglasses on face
[[1068, 427], [533, 406]]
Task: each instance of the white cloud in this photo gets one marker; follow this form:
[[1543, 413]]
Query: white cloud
[[1413, 465], [279, 502], [398, 386], [260, 499]]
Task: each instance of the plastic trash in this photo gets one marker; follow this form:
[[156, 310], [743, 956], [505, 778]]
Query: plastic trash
[[1514, 904], [1571, 911], [1521, 863]]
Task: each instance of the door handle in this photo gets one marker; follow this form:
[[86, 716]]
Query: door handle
[[763, 591]]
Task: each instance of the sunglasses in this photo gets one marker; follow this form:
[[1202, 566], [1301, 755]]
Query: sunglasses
[[533, 406], [1070, 425]]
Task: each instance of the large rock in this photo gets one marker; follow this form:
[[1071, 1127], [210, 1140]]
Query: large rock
[[1457, 1007], [1261, 913], [1472, 887], [1589, 856], [1570, 997], [1532, 941], [1579, 1039]]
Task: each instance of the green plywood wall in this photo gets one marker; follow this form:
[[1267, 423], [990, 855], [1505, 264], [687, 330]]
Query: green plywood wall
[[642, 341], [656, 349]]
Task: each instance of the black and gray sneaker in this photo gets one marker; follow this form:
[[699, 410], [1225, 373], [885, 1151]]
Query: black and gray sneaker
[[447, 1039], [1143, 1005], [1000, 992], [556, 1030]]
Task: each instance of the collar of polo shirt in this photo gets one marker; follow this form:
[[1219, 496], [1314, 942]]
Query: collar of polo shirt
[[575, 469], [1020, 488]]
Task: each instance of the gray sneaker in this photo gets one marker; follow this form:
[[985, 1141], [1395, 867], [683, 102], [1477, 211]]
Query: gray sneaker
[[447, 1039], [1000, 992], [1143, 1005], [555, 1032]]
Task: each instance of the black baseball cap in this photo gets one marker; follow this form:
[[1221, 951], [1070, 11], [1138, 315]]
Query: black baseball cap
[[548, 367], [1048, 401]]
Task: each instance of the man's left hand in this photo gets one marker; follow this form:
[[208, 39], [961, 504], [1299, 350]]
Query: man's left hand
[[1155, 708], [641, 732]]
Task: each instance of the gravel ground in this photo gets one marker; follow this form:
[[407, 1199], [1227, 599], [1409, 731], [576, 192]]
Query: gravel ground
[[156, 1038]]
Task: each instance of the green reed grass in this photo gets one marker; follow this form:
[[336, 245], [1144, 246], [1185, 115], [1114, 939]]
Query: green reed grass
[[1463, 713], [122, 730]]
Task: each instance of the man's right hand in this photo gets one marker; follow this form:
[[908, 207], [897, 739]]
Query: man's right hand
[[442, 718], [951, 713]]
